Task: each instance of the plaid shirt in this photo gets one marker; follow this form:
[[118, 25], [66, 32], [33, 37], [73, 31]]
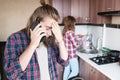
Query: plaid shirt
[[15, 46], [71, 43]]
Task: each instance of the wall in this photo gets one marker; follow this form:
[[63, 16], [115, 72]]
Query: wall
[[96, 31], [111, 38], [14, 15], [116, 20]]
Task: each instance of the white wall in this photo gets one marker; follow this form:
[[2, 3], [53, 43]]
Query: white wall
[[96, 31], [115, 19], [81, 29]]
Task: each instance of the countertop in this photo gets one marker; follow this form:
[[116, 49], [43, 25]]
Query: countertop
[[112, 70]]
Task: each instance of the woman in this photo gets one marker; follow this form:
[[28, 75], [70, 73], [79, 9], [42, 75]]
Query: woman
[[71, 43], [21, 56]]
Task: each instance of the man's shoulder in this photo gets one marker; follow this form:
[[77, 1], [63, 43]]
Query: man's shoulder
[[18, 35]]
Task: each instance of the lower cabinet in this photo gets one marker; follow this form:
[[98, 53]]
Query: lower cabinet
[[90, 73]]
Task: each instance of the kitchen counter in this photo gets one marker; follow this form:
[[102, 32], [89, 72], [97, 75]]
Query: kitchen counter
[[112, 70]]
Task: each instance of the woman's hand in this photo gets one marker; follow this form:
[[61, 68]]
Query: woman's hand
[[57, 32], [36, 35]]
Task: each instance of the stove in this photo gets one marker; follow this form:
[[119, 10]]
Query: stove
[[111, 57]]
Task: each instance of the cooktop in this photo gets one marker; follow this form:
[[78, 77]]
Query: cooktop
[[111, 57]]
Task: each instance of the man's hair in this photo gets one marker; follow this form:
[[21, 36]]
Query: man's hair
[[41, 12]]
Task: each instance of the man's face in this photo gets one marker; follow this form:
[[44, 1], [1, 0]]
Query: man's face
[[46, 24]]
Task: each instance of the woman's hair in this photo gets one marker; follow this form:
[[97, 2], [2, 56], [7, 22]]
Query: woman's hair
[[41, 12], [69, 24]]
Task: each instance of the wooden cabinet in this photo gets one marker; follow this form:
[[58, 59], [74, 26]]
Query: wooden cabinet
[[90, 73], [63, 7], [106, 5], [109, 5], [83, 11], [92, 11], [84, 70], [100, 7], [74, 10], [117, 4]]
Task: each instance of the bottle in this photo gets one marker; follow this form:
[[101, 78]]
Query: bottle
[[99, 44]]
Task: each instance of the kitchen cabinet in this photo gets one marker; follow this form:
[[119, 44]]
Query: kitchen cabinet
[[106, 5], [90, 73], [117, 4], [85, 11], [63, 7], [82, 10], [74, 10], [109, 5], [100, 7]]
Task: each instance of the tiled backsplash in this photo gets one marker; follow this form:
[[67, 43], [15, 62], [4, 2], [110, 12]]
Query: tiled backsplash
[[102, 36], [96, 31], [107, 36]]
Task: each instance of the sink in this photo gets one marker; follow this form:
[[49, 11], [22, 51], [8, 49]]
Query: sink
[[90, 51]]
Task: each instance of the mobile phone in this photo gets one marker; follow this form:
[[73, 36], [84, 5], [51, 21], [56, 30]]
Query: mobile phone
[[34, 24]]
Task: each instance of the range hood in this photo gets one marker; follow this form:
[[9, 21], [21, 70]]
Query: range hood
[[109, 13]]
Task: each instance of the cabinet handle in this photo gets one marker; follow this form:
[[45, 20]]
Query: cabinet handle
[[109, 8]]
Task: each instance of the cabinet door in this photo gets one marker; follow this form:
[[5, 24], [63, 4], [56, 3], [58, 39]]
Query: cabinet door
[[100, 76], [80, 10], [58, 5], [66, 8], [84, 70], [84, 11], [92, 11], [106, 5], [90, 73], [88, 11], [63, 7], [109, 5], [75, 8], [100, 7], [117, 4]]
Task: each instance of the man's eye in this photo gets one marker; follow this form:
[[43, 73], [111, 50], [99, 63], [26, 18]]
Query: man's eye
[[50, 27]]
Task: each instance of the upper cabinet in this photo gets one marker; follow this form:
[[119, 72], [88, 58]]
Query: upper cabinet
[[105, 5], [85, 11], [82, 10], [63, 7], [109, 5], [101, 7], [117, 4]]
